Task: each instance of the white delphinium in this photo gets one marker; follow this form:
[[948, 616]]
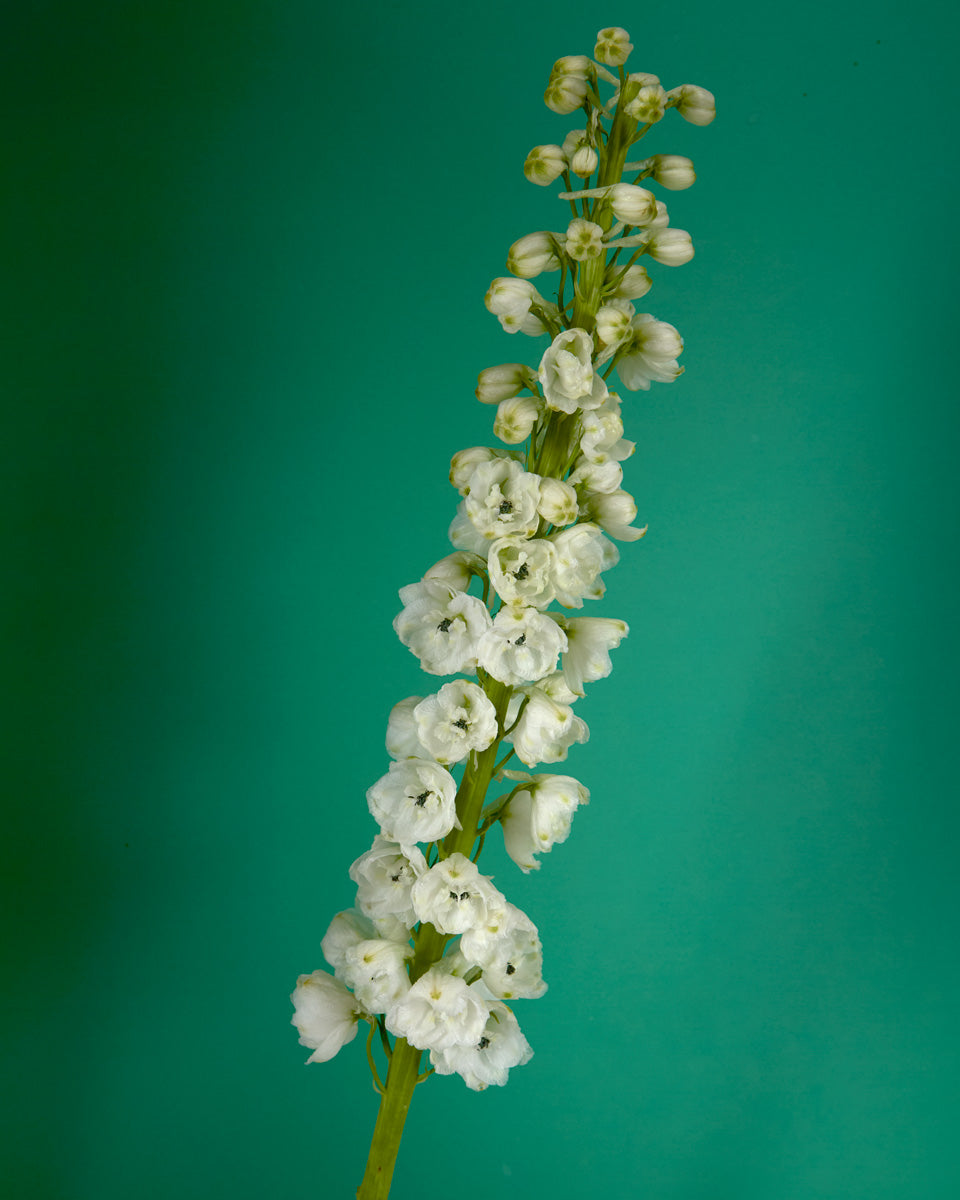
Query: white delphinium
[[567, 376], [384, 877], [456, 570], [539, 816], [648, 105], [376, 971], [671, 171], [325, 1014], [589, 642], [546, 729], [522, 569], [614, 512], [631, 283], [694, 104], [465, 462], [582, 552], [601, 474], [511, 957], [532, 255], [402, 740], [672, 247], [453, 896], [500, 383], [502, 498], [613, 46], [558, 501], [613, 325], [441, 626], [584, 161], [544, 164], [439, 1011], [487, 1061], [457, 719], [602, 436], [652, 353], [583, 239], [414, 801], [510, 301], [521, 646], [516, 418], [345, 930]]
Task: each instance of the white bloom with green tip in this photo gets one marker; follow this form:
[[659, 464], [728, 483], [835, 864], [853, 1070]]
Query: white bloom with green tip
[[589, 642], [546, 730], [325, 1014], [540, 816]]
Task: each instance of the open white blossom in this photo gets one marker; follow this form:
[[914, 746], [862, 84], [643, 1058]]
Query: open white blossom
[[345, 930], [589, 642], [521, 570], [502, 499], [441, 626], [438, 1012], [414, 802], [325, 1014], [652, 355], [457, 569], [376, 971], [546, 730], [566, 373], [457, 719], [602, 436], [487, 1061], [402, 740], [539, 817], [453, 896], [614, 512], [384, 877], [521, 646], [582, 552], [511, 957]]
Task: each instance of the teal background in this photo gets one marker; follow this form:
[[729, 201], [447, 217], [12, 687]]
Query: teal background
[[246, 246]]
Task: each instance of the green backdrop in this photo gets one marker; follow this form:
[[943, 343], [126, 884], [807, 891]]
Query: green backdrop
[[246, 247]]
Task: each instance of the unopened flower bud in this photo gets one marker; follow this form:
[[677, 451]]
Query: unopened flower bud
[[672, 171], [672, 247], [573, 141], [694, 104], [631, 204], [613, 46], [463, 463], [613, 322], [532, 255], [558, 501], [584, 239], [544, 164], [649, 104], [614, 512], [565, 94], [516, 418], [500, 383], [575, 66], [634, 283], [584, 162]]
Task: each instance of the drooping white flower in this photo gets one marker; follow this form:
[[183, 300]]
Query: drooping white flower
[[546, 730], [345, 930], [464, 534], [544, 164], [565, 93], [465, 462], [453, 896], [614, 512], [694, 104], [539, 817], [439, 1011], [521, 570], [521, 646], [487, 1061], [582, 552], [502, 499], [672, 247], [457, 719], [325, 1014], [501, 382], [441, 626], [510, 301], [457, 569], [376, 971], [414, 801], [510, 957], [533, 254], [652, 355], [589, 642], [566, 373], [384, 877], [602, 436], [671, 171]]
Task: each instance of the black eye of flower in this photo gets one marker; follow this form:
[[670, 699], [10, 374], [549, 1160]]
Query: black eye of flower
[[522, 572], [510, 969], [520, 640], [461, 724], [422, 798], [483, 1043], [444, 626], [505, 507]]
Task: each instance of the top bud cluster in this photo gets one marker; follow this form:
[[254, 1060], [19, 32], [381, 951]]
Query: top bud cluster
[[431, 951]]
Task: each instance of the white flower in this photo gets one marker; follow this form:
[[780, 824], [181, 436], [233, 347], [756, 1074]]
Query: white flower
[[613, 46], [500, 383], [672, 171], [464, 535], [565, 93], [566, 373], [694, 104], [402, 740], [590, 640], [521, 646], [511, 958], [441, 626], [457, 719], [502, 499], [584, 239], [546, 730], [539, 817], [376, 970], [613, 322], [614, 512], [558, 501], [439, 1011], [457, 569], [652, 354], [510, 301], [584, 161], [414, 801], [345, 930], [632, 284], [648, 105], [453, 896], [533, 254], [384, 877], [629, 203], [516, 418], [487, 1061], [602, 437], [465, 462], [325, 1014], [599, 475], [521, 570], [672, 247], [582, 553], [544, 164]]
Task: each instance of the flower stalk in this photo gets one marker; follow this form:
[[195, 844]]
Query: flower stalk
[[431, 953]]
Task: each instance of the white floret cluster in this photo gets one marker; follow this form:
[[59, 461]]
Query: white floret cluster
[[432, 952]]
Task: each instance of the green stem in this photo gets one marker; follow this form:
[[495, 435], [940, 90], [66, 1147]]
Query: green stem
[[394, 1106]]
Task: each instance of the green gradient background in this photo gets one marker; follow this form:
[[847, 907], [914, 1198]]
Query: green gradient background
[[246, 247]]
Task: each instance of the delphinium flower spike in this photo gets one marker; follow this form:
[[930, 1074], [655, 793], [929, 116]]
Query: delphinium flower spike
[[432, 955]]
